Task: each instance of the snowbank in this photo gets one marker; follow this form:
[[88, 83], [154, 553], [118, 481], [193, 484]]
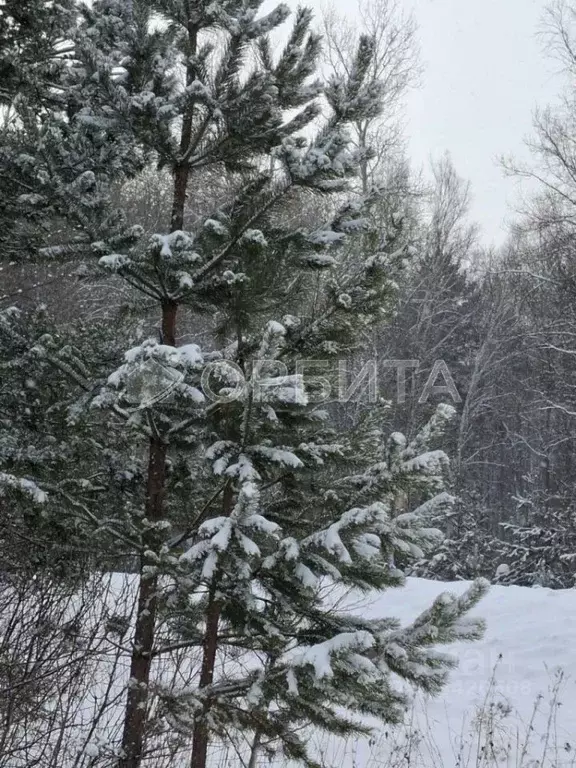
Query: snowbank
[[531, 635]]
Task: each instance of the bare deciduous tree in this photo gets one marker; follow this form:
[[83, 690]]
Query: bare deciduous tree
[[395, 67]]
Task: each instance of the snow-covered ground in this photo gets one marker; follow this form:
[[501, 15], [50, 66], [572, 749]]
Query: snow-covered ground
[[531, 635], [484, 718]]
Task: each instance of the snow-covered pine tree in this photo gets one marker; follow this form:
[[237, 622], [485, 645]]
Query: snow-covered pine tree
[[56, 171], [55, 162], [263, 525], [30, 35], [32, 47], [470, 549], [248, 506], [539, 547], [55, 520]]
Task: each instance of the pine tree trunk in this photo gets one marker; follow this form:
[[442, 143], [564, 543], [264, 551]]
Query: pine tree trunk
[[182, 169], [180, 184], [137, 700], [169, 311], [209, 649], [136, 711]]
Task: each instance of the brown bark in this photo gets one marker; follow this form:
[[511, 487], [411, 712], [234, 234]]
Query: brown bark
[[209, 649], [201, 736], [136, 711], [137, 700], [182, 168], [169, 312], [181, 174]]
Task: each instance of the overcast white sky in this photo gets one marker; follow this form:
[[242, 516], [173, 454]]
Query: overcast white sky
[[484, 73]]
